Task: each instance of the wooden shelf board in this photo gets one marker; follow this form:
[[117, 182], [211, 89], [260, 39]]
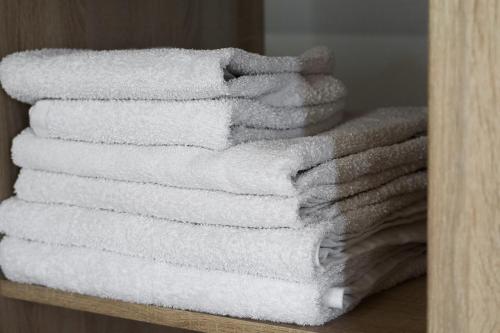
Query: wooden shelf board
[[400, 309]]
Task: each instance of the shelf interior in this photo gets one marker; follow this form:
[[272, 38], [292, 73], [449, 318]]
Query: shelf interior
[[399, 309]]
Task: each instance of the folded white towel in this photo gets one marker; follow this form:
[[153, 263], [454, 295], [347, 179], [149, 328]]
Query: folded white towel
[[292, 254], [168, 74], [281, 167], [330, 180], [213, 124], [110, 275], [203, 206]]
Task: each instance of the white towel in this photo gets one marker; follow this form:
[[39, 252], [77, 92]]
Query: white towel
[[205, 206], [214, 124], [110, 275], [168, 74], [281, 167], [291, 254], [333, 179]]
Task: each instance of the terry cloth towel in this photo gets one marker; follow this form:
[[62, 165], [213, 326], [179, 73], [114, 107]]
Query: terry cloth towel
[[339, 177], [214, 124], [168, 74], [291, 254], [109, 275], [205, 206], [280, 167]]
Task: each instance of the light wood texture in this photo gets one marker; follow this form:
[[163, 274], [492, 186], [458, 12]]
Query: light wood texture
[[28, 24], [464, 165], [401, 309], [34, 317]]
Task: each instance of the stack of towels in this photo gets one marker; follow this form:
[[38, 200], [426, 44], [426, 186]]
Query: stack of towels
[[218, 181]]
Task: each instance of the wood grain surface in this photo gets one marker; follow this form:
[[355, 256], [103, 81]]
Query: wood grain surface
[[400, 309], [109, 24], [464, 165]]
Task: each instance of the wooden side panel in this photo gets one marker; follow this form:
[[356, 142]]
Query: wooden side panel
[[464, 201], [27, 24]]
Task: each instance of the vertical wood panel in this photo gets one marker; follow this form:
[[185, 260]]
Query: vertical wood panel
[[27, 24], [249, 17], [464, 164]]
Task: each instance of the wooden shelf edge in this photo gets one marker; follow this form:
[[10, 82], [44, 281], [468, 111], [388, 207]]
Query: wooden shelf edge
[[399, 309]]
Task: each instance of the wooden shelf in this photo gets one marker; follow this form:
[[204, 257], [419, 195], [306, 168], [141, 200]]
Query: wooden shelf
[[400, 309]]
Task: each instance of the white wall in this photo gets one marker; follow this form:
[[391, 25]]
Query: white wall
[[380, 46]]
